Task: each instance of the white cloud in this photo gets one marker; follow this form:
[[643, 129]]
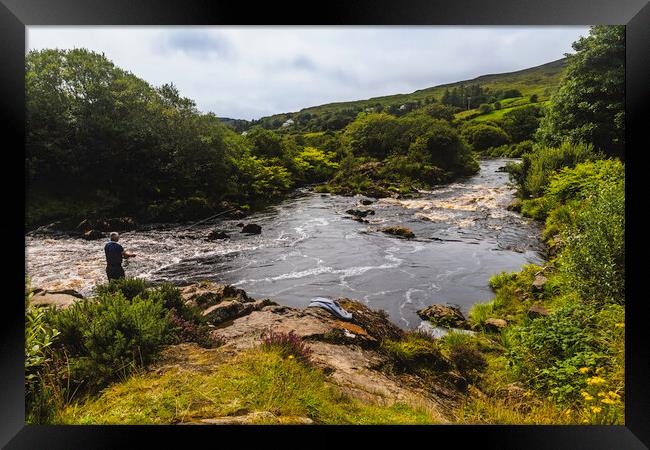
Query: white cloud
[[249, 72]]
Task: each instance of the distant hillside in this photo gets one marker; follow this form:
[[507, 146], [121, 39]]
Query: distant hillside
[[540, 80]]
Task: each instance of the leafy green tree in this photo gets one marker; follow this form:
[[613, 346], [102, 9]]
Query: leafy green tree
[[485, 108], [482, 137], [265, 143], [521, 123], [589, 105]]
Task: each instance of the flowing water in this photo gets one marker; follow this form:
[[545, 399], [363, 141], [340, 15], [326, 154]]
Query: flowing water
[[310, 247]]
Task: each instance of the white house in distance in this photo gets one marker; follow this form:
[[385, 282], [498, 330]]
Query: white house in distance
[[288, 123]]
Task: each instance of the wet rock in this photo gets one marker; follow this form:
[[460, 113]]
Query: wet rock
[[106, 225], [495, 324], [366, 202], [360, 213], [536, 311], [217, 234], [92, 235], [539, 283], [206, 294], [250, 228], [399, 231], [231, 309], [444, 315]]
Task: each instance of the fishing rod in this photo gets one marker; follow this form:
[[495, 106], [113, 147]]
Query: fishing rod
[[211, 217]]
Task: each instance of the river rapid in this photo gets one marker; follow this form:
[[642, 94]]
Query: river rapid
[[310, 247]]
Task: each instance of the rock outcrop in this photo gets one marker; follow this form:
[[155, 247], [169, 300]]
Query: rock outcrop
[[250, 228], [58, 299], [217, 234], [349, 352], [399, 231], [444, 316]]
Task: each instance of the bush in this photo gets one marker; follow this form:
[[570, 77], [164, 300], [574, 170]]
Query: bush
[[289, 345], [129, 287], [415, 352], [554, 354], [188, 331], [39, 338], [315, 165], [468, 360], [111, 335], [485, 108], [538, 166], [593, 258], [482, 137]]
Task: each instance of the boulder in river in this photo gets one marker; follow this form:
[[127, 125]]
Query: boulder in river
[[92, 235], [250, 228], [444, 315], [399, 231], [112, 224], [217, 234], [360, 213]]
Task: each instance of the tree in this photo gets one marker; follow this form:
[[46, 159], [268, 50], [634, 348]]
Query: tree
[[265, 143], [521, 123], [482, 137], [485, 108], [589, 105]]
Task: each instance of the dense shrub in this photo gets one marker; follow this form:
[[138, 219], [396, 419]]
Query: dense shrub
[[314, 165], [521, 123], [539, 165], [39, 338], [109, 336], [469, 361], [554, 354], [593, 258], [289, 345], [189, 331], [485, 108], [482, 137], [415, 352], [129, 287]]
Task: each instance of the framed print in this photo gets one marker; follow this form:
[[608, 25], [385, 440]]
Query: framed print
[[378, 220]]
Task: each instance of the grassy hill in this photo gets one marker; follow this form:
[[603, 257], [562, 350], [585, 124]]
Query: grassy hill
[[540, 80]]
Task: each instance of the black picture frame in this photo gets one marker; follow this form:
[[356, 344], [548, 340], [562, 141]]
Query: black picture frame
[[15, 15]]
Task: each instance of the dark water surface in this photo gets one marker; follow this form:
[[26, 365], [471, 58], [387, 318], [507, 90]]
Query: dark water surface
[[310, 247]]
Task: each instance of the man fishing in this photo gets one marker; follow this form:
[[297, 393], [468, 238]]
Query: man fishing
[[114, 254]]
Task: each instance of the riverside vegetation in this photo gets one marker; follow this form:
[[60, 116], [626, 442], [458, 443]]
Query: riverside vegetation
[[548, 349]]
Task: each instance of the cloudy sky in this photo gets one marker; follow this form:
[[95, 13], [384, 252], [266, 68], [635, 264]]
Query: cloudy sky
[[250, 72]]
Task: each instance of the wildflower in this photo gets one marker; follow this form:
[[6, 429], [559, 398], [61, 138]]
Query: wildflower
[[291, 356], [583, 369], [608, 401], [596, 409], [620, 325], [595, 380], [613, 395], [587, 397], [601, 394]]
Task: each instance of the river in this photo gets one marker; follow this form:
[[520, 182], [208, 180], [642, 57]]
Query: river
[[310, 247]]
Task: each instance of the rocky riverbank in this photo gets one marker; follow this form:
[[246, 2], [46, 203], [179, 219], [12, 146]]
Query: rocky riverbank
[[358, 356]]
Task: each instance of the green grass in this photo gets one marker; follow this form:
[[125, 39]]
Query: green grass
[[256, 380]]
